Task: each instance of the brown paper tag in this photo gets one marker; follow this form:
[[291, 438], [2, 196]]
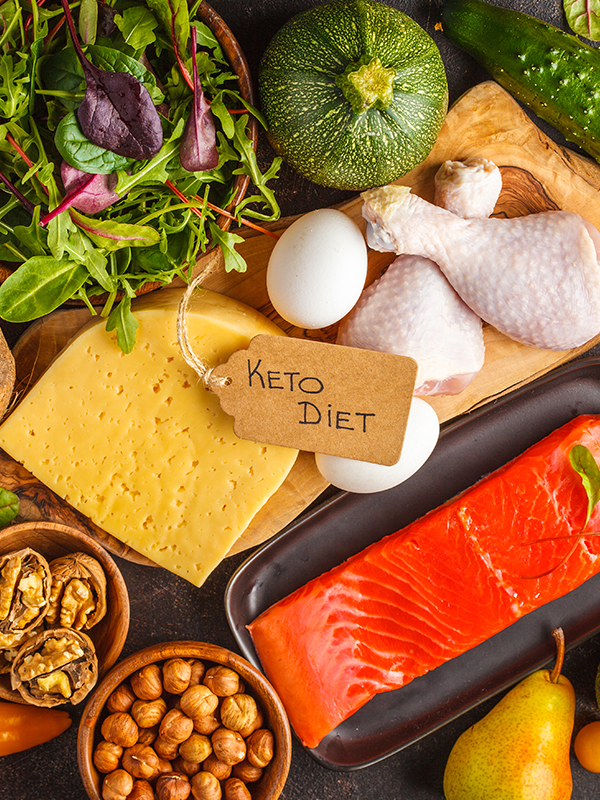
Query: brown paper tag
[[319, 397]]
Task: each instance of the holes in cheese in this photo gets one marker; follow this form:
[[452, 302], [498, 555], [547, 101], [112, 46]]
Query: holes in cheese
[[137, 444]]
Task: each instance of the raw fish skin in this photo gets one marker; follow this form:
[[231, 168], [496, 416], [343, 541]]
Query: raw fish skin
[[435, 589], [535, 278], [412, 310]]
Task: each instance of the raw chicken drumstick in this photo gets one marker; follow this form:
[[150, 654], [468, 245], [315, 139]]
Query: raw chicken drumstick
[[535, 278], [413, 311]]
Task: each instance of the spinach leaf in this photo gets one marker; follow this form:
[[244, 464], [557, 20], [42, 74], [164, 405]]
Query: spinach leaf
[[124, 323], [113, 235], [9, 506], [583, 17], [88, 21], [39, 286], [79, 152], [61, 73], [174, 16], [111, 60]]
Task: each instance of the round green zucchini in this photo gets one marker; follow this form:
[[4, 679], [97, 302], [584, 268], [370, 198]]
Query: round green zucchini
[[354, 93]]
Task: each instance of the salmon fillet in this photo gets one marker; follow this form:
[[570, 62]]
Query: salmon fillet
[[435, 589]]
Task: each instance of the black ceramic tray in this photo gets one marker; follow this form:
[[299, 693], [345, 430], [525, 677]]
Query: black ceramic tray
[[468, 449]]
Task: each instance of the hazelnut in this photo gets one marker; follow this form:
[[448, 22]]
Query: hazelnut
[[206, 787], [188, 768], [121, 699], [196, 748], [228, 746], [260, 747], [175, 726], [223, 681], [106, 756], [198, 701], [166, 750], [142, 790], [141, 761], [117, 785], [235, 789], [247, 772], [148, 713], [206, 725], [176, 675], [173, 786], [238, 711], [164, 766], [198, 670], [147, 682], [257, 723], [219, 769], [120, 728], [148, 735]]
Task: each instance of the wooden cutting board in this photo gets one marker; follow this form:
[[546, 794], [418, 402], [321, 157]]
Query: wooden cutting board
[[538, 175]]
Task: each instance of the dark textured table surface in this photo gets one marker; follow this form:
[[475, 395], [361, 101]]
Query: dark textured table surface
[[163, 607]]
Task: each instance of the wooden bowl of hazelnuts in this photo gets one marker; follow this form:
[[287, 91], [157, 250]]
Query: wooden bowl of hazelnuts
[[184, 720]]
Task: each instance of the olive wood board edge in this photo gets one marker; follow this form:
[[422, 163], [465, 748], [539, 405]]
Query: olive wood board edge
[[538, 175]]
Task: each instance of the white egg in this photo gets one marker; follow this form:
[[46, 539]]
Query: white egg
[[317, 269], [422, 433]]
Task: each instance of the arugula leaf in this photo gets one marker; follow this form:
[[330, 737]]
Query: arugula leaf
[[228, 240], [9, 506], [137, 25], [583, 17]]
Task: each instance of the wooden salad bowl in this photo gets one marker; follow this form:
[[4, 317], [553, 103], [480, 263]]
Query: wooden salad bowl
[[53, 540], [270, 785], [239, 66]]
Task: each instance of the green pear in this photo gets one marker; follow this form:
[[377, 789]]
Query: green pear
[[520, 749]]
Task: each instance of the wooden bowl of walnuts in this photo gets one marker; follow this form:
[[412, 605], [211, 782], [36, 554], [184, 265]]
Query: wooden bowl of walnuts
[[184, 720], [61, 592]]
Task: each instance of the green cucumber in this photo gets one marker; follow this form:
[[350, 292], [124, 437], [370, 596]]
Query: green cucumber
[[551, 72], [354, 93]]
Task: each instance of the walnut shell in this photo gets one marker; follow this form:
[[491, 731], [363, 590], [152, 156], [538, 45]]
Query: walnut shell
[[78, 597], [25, 585], [55, 667]]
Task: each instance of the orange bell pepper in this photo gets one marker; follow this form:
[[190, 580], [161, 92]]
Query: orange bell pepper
[[22, 727]]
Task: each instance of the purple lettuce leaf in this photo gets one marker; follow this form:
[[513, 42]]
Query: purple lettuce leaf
[[117, 112], [198, 149]]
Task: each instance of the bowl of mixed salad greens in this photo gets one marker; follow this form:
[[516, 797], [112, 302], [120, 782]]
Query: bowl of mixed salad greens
[[127, 145]]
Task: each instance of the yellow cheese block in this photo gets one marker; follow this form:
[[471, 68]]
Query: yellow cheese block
[[140, 446]]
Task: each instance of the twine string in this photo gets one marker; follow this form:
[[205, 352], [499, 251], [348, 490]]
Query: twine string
[[202, 369]]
